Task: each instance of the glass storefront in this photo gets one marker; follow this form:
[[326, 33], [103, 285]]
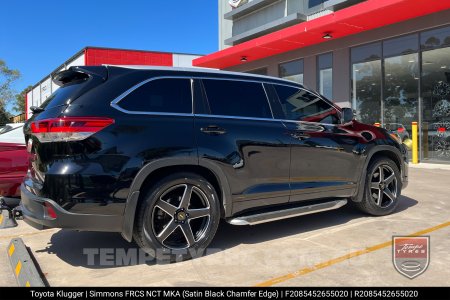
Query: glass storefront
[[325, 72], [292, 70], [260, 71], [366, 83], [406, 79], [436, 104]]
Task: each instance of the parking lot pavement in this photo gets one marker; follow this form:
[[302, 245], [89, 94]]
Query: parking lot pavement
[[340, 247]]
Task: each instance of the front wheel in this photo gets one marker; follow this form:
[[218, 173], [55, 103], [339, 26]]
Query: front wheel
[[178, 217], [382, 188]]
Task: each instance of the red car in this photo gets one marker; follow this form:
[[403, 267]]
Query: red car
[[13, 162]]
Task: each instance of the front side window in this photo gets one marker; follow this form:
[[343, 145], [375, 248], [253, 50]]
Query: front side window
[[167, 95], [237, 98], [301, 105]]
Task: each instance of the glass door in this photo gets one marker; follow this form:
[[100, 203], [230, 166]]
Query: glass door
[[366, 91], [401, 94], [436, 104]]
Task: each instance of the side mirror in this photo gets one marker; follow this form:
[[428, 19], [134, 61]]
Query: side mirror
[[347, 115]]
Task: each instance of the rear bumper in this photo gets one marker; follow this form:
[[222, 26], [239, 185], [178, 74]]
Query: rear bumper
[[35, 214]]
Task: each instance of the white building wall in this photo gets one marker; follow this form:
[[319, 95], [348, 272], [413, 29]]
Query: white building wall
[[36, 96], [54, 85], [79, 61], [46, 89], [225, 26], [29, 100], [183, 60]]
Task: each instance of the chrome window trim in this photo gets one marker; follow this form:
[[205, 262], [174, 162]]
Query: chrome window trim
[[261, 119], [236, 117], [115, 102]]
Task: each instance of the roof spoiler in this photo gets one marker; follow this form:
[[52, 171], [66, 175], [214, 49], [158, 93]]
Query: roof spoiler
[[76, 74]]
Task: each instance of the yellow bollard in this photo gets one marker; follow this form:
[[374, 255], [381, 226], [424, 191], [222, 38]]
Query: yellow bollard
[[415, 144]]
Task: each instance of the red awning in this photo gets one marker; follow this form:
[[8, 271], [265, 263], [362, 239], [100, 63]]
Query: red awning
[[361, 17]]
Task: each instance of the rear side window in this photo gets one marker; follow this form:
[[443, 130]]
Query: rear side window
[[301, 105], [237, 98], [167, 95]]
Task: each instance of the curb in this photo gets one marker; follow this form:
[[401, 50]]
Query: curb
[[23, 266], [430, 166], [6, 221]]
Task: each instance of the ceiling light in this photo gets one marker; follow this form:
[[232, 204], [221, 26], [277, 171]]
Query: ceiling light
[[244, 58], [327, 36]]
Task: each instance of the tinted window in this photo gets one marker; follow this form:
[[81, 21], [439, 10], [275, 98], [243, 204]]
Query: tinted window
[[402, 45], [292, 70], [301, 105], [325, 66], [63, 95], [237, 98], [169, 95], [366, 53], [435, 38], [262, 71]]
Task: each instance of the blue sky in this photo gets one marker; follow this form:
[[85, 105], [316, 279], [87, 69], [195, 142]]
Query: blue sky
[[38, 36]]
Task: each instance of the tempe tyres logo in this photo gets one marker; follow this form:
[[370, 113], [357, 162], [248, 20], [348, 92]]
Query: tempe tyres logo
[[411, 254]]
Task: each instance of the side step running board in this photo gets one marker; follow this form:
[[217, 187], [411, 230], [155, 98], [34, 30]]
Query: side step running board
[[286, 213]]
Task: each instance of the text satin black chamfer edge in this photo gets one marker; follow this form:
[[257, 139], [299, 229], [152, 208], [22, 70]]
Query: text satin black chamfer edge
[[161, 155]]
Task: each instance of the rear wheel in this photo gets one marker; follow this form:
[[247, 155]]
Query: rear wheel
[[178, 217], [382, 188]]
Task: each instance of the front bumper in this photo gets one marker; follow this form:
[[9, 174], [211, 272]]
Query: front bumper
[[35, 214]]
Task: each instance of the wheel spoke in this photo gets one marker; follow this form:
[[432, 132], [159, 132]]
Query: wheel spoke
[[388, 193], [389, 179], [380, 170], [184, 203], [187, 231], [167, 207], [380, 197], [375, 185], [167, 231], [198, 213]]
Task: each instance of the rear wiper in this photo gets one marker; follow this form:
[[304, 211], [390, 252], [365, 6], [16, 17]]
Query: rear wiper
[[36, 109]]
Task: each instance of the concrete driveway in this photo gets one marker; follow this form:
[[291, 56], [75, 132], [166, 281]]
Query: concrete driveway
[[337, 248]]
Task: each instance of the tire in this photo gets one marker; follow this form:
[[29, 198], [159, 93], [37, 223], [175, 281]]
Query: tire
[[390, 189], [164, 217]]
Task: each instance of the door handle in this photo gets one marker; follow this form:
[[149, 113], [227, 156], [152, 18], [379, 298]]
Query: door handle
[[214, 130]]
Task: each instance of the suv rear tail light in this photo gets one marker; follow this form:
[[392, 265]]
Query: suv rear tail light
[[68, 129], [400, 129]]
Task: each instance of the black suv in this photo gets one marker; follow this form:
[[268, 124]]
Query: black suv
[[161, 155]]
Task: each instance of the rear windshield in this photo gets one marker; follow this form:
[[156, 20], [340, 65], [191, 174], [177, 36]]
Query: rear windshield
[[63, 95]]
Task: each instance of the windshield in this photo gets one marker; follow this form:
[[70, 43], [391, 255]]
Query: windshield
[[9, 128], [12, 134]]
